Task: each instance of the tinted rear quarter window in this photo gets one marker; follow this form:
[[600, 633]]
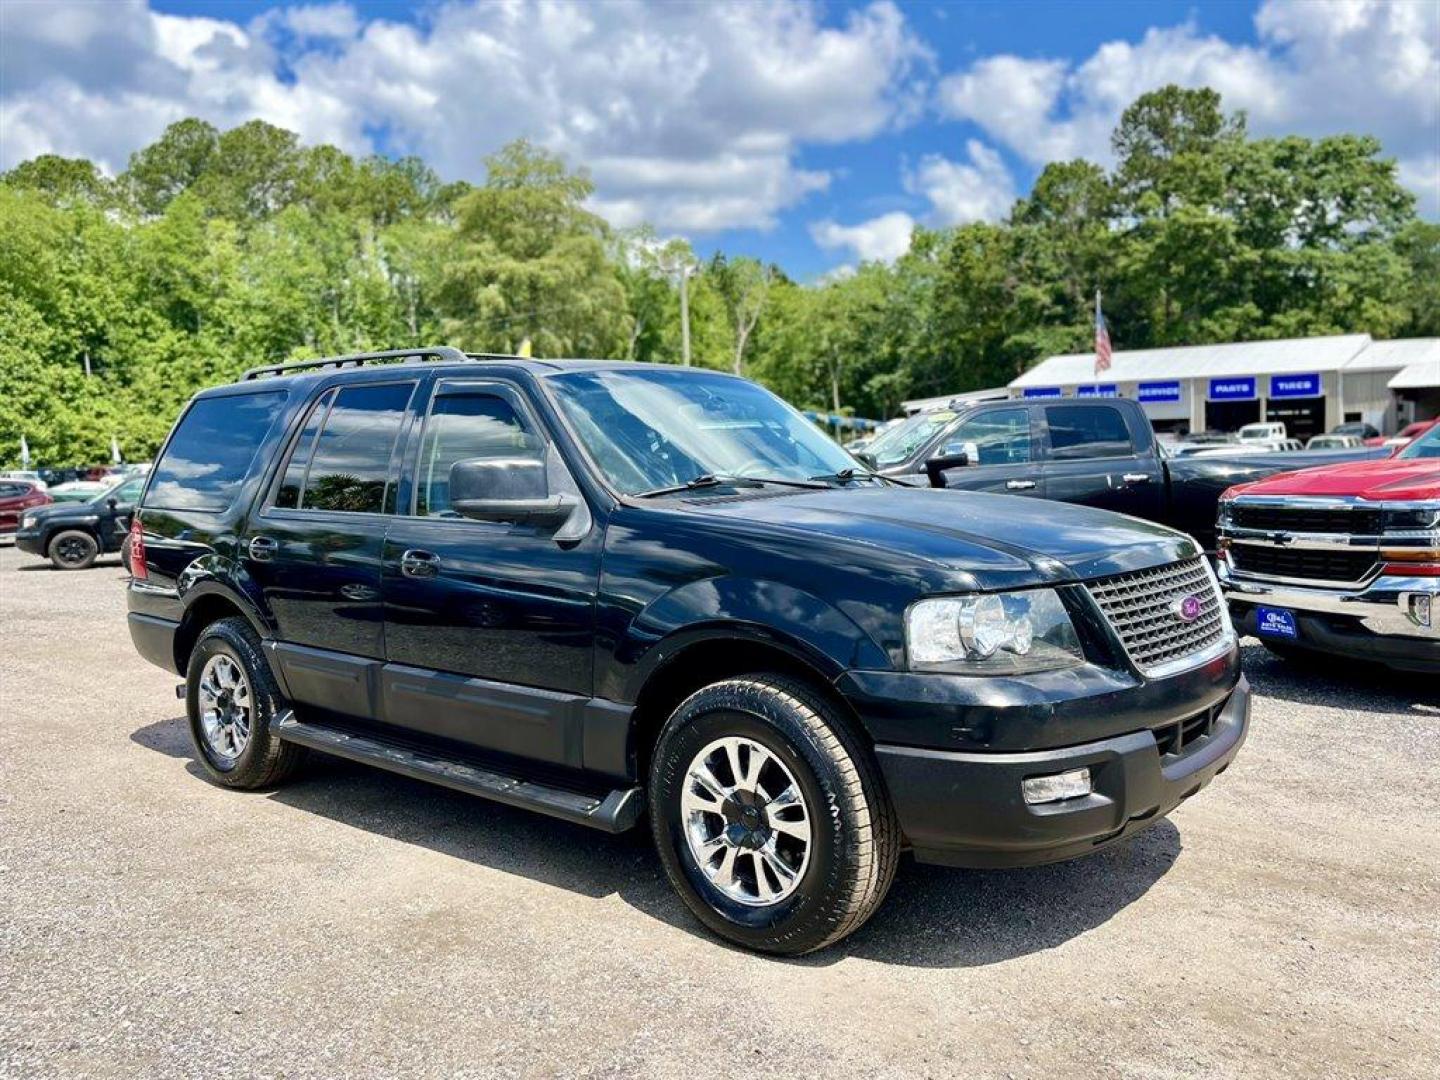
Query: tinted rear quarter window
[[1087, 431], [212, 451]]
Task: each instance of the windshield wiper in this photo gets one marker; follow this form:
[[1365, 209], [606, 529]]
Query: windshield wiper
[[844, 476], [709, 480]]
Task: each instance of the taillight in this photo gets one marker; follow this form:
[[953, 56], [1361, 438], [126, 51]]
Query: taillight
[[138, 570]]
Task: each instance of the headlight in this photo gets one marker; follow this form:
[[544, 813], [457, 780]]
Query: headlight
[[1410, 520], [28, 521], [992, 634]]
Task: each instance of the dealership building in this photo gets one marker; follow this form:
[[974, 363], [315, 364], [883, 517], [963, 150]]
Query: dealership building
[[1310, 384]]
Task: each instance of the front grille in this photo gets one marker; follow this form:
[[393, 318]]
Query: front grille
[[1144, 609], [1299, 519], [1341, 564]]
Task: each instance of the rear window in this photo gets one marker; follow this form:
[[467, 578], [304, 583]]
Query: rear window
[[1087, 431], [212, 450]]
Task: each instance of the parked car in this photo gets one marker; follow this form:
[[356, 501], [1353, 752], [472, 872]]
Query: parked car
[[1410, 432], [1361, 430], [17, 496], [592, 588], [1262, 432], [29, 476], [72, 535], [1333, 442], [1341, 559], [1099, 453], [80, 490]]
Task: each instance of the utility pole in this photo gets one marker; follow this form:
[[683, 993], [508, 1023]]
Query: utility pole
[[676, 259], [685, 272]]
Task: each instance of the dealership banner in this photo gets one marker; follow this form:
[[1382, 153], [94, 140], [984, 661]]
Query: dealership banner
[[1233, 389], [1103, 390], [1286, 386], [1042, 391], [1157, 392]]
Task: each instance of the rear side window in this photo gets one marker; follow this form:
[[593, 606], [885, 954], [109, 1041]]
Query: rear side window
[[13, 491], [212, 451], [341, 461], [1087, 431]]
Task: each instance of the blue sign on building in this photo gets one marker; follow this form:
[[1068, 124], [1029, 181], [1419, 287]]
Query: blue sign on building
[[1157, 392], [1103, 390], [1283, 386], [1041, 391], [1234, 389]]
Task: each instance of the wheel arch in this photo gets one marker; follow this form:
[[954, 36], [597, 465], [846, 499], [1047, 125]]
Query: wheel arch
[[698, 658], [206, 603]]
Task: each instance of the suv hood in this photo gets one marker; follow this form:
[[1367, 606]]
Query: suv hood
[[1386, 479], [993, 541]]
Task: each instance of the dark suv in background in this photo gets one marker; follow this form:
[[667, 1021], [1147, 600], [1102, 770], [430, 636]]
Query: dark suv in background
[[598, 589]]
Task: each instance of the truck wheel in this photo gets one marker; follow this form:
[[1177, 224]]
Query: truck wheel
[[73, 549], [231, 695], [770, 816]]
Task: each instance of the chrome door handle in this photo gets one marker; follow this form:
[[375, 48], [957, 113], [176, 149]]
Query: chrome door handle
[[262, 548], [1019, 485], [1136, 477], [419, 564]]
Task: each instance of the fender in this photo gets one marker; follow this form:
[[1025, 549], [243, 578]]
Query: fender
[[216, 575], [766, 612]]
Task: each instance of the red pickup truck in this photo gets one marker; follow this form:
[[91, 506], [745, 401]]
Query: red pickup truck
[[1340, 559]]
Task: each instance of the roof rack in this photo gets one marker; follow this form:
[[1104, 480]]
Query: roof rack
[[444, 353]]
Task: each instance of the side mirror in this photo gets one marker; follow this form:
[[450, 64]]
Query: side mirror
[[510, 488], [957, 455]]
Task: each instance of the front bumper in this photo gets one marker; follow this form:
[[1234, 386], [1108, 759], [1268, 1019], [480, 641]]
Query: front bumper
[[1377, 621], [966, 809], [31, 540]]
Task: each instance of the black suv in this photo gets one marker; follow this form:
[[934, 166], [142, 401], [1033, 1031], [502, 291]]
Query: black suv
[[593, 588]]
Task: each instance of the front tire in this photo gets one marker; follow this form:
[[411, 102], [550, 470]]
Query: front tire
[[230, 695], [73, 549], [770, 817]]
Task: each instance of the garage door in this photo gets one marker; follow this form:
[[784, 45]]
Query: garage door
[[1302, 417]]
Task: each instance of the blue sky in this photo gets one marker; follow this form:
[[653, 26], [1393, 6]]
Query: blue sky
[[811, 134]]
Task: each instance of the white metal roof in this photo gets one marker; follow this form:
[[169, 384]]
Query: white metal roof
[[1394, 355], [1422, 367], [921, 404], [1201, 361]]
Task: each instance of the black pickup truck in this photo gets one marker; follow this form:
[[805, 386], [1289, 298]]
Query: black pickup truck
[[1096, 452]]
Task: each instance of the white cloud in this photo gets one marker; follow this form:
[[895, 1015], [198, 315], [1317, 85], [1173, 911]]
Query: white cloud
[[1359, 66], [689, 116], [881, 239], [960, 192]]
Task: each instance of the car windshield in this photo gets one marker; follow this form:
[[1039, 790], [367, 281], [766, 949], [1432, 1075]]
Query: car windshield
[[127, 491], [901, 441], [649, 429], [1426, 446]]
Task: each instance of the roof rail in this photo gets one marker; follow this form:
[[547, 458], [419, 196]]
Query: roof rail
[[445, 353]]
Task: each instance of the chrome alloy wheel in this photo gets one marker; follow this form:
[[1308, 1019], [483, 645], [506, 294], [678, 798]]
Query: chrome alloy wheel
[[746, 821], [226, 707]]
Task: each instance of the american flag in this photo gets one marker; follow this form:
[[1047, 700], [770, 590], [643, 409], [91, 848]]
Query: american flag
[[1102, 339]]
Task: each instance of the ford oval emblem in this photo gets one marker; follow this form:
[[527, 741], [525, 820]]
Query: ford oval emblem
[[1187, 608]]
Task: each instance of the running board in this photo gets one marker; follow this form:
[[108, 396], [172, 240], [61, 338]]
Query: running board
[[614, 813]]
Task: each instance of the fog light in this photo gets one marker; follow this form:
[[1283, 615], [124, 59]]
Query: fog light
[[1065, 785], [1421, 609]]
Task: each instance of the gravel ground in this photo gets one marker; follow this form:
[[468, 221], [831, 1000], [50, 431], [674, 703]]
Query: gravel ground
[[1285, 922]]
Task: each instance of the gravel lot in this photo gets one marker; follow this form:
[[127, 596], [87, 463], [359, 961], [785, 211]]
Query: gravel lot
[[1285, 922]]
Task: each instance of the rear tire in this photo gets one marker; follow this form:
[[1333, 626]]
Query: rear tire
[[231, 696], [736, 858], [73, 549]]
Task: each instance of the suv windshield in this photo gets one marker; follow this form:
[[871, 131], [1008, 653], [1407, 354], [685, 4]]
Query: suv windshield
[[895, 445], [1426, 446], [651, 429]]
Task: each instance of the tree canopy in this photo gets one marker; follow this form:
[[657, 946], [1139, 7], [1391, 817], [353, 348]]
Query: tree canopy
[[216, 250]]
